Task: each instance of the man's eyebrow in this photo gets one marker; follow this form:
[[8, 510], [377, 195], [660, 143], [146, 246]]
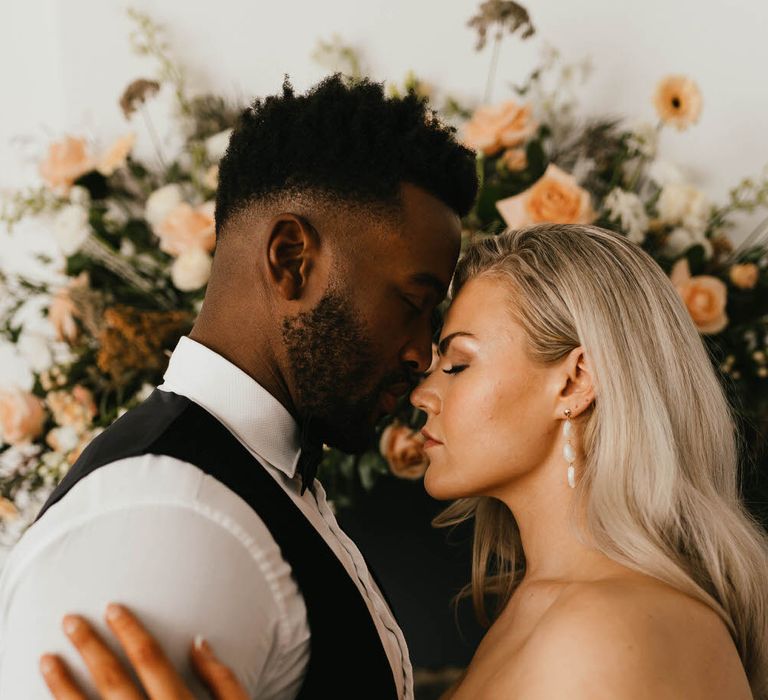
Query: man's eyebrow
[[442, 348], [425, 279]]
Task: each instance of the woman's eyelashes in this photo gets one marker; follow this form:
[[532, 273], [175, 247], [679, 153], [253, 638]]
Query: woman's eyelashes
[[456, 369]]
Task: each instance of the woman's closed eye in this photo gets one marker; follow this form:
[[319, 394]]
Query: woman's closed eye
[[456, 369]]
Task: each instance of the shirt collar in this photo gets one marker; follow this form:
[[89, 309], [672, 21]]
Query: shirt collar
[[255, 417]]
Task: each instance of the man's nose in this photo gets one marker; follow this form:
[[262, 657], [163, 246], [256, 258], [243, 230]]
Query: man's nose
[[417, 354]]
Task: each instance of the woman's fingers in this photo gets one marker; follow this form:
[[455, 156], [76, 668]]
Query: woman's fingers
[[58, 679], [219, 678], [109, 676], [159, 678]]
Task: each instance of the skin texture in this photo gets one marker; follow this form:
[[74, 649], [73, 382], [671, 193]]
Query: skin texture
[[326, 308], [580, 625], [323, 311], [158, 677]]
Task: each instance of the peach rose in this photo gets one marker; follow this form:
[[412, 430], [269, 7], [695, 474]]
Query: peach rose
[[116, 156], [75, 409], [211, 177], [186, 227], [21, 416], [745, 276], [404, 451], [8, 511], [515, 159], [67, 160], [492, 128], [554, 198], [704, 296], [62, 312]]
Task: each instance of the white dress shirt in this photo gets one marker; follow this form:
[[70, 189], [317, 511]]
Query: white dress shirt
[[184, 552]]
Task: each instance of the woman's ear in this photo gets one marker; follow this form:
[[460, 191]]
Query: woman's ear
[[292, 250], [577, 390]]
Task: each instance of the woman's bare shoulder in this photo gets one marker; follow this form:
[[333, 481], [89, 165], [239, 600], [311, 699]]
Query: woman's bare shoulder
[[627, 636]]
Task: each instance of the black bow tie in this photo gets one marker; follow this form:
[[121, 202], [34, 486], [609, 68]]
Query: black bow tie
[[311, 454]]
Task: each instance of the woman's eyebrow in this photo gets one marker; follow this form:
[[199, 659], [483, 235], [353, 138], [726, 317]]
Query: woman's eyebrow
[[442, 348]]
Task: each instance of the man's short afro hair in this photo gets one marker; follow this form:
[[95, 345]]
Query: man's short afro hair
[[347, 141]]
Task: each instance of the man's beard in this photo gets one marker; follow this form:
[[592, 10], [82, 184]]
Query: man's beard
[[334, 367]]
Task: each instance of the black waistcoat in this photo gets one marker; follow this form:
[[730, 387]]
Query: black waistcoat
[[347, 659]]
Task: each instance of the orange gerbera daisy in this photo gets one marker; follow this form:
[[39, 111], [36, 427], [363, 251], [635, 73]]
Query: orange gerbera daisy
[[678, 101]]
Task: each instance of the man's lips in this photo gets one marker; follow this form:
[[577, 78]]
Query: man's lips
[[391, 395]]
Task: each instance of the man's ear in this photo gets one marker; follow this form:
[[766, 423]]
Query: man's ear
[[577, 390], [292, 249]]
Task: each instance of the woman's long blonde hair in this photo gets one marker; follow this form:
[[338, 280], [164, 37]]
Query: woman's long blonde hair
[[660, 477]]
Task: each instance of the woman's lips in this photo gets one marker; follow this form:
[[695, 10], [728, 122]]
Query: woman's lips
[[430, 441]]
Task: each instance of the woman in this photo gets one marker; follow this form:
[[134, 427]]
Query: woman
[[575, 415]]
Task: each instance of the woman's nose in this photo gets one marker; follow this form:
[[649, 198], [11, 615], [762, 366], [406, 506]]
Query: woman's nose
[[424, 398]]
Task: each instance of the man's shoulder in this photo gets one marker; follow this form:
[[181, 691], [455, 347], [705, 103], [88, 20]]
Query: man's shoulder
[[152, 499]]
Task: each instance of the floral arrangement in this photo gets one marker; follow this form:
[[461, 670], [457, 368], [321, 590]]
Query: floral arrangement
[[135, 241]]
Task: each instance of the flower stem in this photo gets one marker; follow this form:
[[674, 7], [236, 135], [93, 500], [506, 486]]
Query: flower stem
[[154, 137], [99, 251], [492, 68]]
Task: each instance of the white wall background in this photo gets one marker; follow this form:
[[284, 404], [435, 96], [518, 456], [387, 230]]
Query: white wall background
[[64, 63]]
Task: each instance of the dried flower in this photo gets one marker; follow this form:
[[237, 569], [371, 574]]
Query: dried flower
[[133, 340], [136, 94], [504, 13]]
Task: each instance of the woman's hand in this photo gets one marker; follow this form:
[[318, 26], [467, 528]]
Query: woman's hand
[[158, 677]]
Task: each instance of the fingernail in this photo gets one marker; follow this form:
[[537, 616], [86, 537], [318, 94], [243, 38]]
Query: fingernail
[[202, 646], [70, 624], [47, 664], [114, 611]]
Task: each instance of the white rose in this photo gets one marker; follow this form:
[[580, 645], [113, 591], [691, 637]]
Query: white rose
[[663, 173], [216, 145], [161, 202], [682, 204], [34, 348], [80, 195], [115, 217], [127, 248], [144, 391], [191, 270], [71, 228], [644, 139], [680, 240], [628, 208], [63, 439]]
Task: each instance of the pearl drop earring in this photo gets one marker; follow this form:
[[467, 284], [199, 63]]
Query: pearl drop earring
[[568, 452]]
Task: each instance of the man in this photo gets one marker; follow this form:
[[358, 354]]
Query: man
[[338, 228]]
